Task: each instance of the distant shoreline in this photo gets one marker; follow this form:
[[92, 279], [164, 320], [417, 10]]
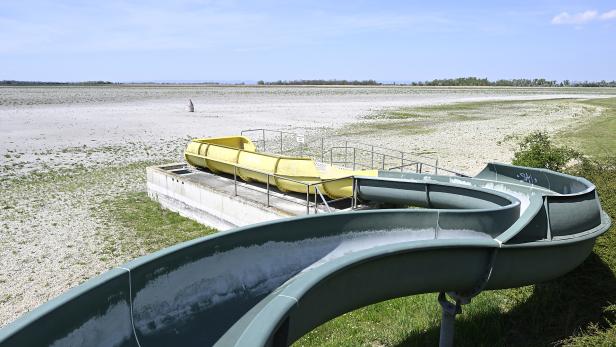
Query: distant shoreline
[[458, 82]]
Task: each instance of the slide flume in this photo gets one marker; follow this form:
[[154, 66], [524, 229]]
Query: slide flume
[[237, 155], [269, 284]]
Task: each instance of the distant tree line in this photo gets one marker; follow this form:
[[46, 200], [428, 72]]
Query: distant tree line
[[38, 83], [320, 83], [448, 82], [522, 82]]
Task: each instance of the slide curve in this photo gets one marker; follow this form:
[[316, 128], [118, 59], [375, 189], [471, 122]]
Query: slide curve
[[268, 284]]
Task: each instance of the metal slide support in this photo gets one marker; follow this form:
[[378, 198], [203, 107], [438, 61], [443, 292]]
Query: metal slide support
[[450, 310], [448, 319]]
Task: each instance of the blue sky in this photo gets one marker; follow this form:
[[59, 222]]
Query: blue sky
[[67, 40]]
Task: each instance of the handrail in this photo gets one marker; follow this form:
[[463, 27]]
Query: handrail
[[267, 130], [402, 153], [323, 199], [308, 185], [391, 149], [384, 155]]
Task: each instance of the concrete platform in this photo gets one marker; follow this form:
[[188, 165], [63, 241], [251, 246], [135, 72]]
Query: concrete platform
[[210, 199]]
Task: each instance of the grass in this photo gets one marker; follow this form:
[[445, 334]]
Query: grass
[[596, 138], [396, 127], [146, 226], [461, 111]]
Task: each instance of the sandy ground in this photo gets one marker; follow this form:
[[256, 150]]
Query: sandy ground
[[65, 150]]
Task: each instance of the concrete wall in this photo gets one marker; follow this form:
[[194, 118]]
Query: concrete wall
[[194, 198]]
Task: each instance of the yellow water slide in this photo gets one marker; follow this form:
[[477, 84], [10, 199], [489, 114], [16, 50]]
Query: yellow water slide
[[238, 155]]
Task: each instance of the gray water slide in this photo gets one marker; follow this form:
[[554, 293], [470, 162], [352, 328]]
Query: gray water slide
[[269, 284]]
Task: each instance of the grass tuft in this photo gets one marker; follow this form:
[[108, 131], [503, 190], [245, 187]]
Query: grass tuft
[[147, 227]]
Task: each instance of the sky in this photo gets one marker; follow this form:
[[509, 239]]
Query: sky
[[200, 40]]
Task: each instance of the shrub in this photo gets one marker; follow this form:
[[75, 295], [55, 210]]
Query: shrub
[[537, 150]]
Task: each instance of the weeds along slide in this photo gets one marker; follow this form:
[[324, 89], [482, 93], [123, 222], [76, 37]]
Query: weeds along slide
[[269, 284]]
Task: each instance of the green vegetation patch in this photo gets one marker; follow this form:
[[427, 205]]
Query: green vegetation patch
[[598, 136], [537, 150], [147, 227], [464, 111], [380, 127]]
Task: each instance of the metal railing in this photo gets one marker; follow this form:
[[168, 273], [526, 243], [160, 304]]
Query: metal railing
[[314, 204], [350, 154]]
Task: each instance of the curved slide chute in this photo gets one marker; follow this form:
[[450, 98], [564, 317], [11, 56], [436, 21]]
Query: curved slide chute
[[269, 284]]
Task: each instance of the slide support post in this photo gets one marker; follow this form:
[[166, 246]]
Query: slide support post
[[448, 319]]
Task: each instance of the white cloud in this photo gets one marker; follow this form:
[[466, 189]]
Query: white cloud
[[582, 17], [608, 15], [577, 18]]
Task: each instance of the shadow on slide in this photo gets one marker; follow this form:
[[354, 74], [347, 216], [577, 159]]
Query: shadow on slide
[[556, 310]]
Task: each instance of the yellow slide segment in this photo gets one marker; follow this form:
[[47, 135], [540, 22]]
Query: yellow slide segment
[[238, 154]]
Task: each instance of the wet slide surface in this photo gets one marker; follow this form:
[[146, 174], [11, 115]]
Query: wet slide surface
[[269, 284]]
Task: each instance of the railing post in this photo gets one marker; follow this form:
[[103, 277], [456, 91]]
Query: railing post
[[331, 156], [346, 160], [268, 191], [436, 167], [383, 162], [322, 150], [235, 179], [281, 142], [416, 167], [372, 157], [354, 158], [316, 210], [307, 199], [354, 187], [263, 134], [420, 167]]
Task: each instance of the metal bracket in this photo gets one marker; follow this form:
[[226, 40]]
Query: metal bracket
[[451, 309], [448, 317]]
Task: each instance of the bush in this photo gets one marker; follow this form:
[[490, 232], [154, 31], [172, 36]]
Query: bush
[[537, 150]]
